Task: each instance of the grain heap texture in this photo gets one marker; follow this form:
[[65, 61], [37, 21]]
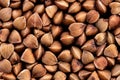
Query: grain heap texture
[[59, 39]]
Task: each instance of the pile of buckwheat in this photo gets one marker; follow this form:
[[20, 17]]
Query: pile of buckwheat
[[59, 39]]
